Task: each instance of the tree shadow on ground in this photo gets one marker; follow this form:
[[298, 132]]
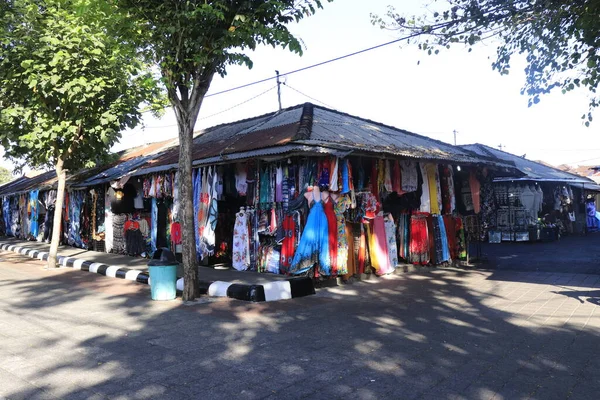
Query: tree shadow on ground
[[438, 334]]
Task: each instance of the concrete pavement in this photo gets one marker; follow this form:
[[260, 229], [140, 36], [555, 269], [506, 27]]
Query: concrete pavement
[[573, 254], [443, 334]]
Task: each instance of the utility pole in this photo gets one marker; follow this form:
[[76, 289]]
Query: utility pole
[[454, 132], [500, 146], [278, 89]]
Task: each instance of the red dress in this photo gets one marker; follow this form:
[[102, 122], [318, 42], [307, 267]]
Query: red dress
[[287, 248], [333, 230]]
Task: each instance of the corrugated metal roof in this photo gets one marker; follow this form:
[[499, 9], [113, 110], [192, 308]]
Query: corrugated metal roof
[[311, 125], [129, 161], [302, 129], [532, 170], [28, 183], [333, 127]]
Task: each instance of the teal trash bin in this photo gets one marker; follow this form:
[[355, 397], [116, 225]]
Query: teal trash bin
[[163, 275]]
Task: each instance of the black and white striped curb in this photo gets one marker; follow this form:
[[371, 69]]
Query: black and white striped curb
[[272, 291], [84, 265]]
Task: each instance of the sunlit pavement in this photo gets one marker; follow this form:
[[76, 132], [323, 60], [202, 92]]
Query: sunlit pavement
[[441, 334]]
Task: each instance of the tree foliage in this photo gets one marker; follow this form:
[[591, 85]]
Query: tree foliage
[[192, 40], [67, 87], [69, 83], [5, 175], [560, 39]]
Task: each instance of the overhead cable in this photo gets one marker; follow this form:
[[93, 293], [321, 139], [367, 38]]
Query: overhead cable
[[307, 96], [317, 64]]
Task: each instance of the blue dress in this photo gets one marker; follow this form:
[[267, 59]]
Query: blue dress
[[314, 243]]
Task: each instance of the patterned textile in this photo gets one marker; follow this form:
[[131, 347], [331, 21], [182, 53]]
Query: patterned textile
[[404, 236], [6, 215], [450, 227], [289, 243], [351, 260], [426, 194], [333, 179], [34, 212], [488, 206], [435, 195], [437, 255], [153, 225], [378, 248], [390, 234], [475, 191], [340, 207], [241, 242], [199, 207], [444, 239], [419, 239], [76, 199], [134, 242], [409, 176], [208, 238], [118, 233], [314, 244], [447, 186]]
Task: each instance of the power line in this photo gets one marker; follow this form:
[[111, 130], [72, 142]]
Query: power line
[[211, 115], [318, 64], [239, 104], [312, 98], [589, 159], [313, 65]]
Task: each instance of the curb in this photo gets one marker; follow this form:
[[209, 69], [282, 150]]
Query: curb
[[272, 291]]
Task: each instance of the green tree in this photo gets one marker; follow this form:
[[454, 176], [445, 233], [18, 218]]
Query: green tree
[[5, 175], [560, 38], [191, 41], [67, 86]]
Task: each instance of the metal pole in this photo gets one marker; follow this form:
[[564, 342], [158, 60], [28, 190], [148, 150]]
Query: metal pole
[[454, 131], [278, 89]]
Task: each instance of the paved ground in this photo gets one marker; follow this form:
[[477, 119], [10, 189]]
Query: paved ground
[[576, 254], [443, 334], [123, 261]]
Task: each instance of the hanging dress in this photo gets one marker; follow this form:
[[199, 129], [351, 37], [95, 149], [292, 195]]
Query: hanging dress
[[241, 243], [419, 239], [33, 200], [434, 188], [475, 188], [208, 239], [314, 242], [378, 248], [340, 207], [197, 193], [332, 227], [288, 245], [409, 176], [153, 225], [390, 235], [425, 195]]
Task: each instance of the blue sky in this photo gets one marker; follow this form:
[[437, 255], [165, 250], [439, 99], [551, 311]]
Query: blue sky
[[455, 90]]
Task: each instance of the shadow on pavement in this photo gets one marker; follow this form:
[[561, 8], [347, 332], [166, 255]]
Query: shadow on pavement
[[433, 335], [570, 254]]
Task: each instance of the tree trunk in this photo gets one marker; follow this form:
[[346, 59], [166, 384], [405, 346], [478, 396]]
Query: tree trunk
[[56, 228], [186, 191]]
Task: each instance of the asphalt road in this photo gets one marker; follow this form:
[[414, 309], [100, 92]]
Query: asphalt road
[[442, 334]]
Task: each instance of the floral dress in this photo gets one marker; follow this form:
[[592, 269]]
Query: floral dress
[[390, 235], [342, 204], [241, 243]]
